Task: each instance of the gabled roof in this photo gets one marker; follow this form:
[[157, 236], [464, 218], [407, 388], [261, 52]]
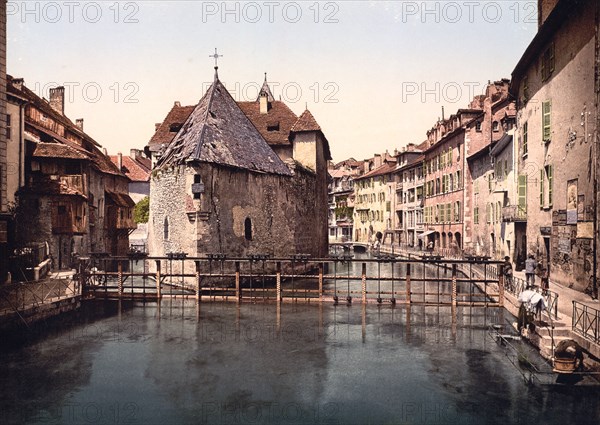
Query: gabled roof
[[175, 118], [138, 170], [119, 199], [217, 131], [275, 125], [306, 122]]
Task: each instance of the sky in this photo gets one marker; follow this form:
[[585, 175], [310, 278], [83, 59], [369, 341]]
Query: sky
[[374, 74]]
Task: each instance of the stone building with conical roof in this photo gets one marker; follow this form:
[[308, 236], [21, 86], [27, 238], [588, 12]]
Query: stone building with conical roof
[[238, 178]]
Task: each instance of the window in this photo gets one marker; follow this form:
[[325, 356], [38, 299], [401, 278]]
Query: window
[[488, 213], [166, 229], [8, 126], [476, 187], [524, 139], [542, 178], [458, 180], [495, 126], [448, 212], [273, 126], [248, 229], [443, 214], [476, 215], [546, 130], [548, 62], [498, 212], [478, 126], [457, 212]]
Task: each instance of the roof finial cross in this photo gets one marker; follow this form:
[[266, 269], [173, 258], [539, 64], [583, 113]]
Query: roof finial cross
[[216, 57]]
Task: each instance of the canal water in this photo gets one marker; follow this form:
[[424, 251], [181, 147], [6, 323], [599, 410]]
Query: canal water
[[176, 363]]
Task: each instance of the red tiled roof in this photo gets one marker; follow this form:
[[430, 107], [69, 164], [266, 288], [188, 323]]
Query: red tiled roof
[[56, 150], [306, 122], [386, 168], [279, 118], [177, 116], [138, 170]]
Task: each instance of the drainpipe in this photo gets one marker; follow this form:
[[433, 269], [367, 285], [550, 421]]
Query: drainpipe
[[595, 149]]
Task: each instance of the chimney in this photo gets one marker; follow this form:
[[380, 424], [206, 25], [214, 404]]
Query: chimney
[[57, 99], [120, 161], [105, 151], [442, 113], [264, 105], [18, 83], [135, 153], [79, 123], [156, 126], [177, 104]]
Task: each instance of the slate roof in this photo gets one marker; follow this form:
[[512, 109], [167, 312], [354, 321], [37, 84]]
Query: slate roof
[[217, 131], [137, 170], [266, 90]]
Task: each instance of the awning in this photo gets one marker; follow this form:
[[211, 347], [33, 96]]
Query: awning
[[425, 234]]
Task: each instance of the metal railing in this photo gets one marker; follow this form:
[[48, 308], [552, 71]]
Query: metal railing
[[23, 295], [586, 321], [516, 285]]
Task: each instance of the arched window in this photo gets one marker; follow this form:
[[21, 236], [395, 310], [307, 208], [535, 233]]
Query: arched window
[[248, 229], [166, 229]]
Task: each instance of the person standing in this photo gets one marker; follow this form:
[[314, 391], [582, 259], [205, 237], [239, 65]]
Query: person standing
[[530, 266], [507, 272], [545, 280]]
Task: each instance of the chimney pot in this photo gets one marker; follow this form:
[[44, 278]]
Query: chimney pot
[[57, 99], [79, 123], [120, 161], [177, 103], [157, 125]]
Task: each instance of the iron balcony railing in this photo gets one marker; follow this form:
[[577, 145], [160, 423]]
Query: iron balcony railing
[[586, 321], [514, 213]]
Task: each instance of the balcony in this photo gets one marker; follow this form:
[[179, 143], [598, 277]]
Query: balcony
[[514, 213]]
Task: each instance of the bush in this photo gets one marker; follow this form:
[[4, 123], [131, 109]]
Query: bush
[[142, 210]]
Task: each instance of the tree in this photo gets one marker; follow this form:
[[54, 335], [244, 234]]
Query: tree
[[142, 210]]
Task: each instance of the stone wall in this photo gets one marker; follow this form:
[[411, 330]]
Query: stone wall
[[240, 213]]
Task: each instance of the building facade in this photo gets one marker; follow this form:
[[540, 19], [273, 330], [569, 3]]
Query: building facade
[[556, 86], [218, 186]]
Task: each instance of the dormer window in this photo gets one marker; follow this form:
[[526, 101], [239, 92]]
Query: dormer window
[[273, 126]]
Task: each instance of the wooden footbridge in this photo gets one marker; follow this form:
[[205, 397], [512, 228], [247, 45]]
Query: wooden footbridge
[[337, 279]]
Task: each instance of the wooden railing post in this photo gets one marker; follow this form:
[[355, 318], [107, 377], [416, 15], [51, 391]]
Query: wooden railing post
[[320, 282], [158, 292], [454, 285], [238, 292], [198, 283], [408, 283], [120, 277], [278, 282], [364, 282]]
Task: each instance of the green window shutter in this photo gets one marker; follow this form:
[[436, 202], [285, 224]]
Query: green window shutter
[[449, 212], [550, 185], [522, 196], [476, 215], [546, 112], [450, 155], [542, 176]]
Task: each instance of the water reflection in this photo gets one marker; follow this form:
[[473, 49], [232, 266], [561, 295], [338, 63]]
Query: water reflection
[[266, 363]]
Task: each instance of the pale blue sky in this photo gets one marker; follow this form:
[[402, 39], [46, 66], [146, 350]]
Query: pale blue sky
[[356, 73]]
